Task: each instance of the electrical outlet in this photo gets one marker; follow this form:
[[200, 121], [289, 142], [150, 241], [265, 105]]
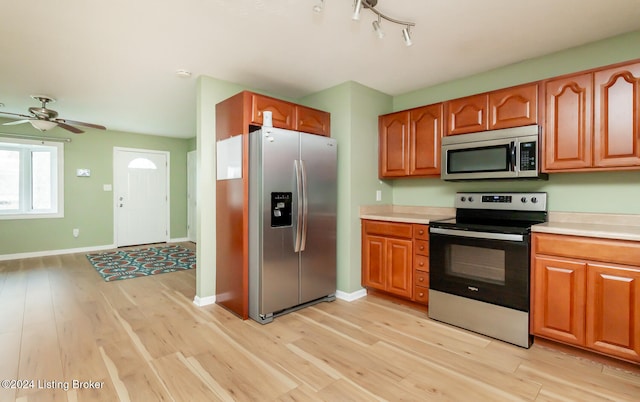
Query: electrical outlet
[[76, 232], [378, 195]]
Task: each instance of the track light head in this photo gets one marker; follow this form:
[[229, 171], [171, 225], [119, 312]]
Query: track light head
[[356, 10], [406, 35], [318, 7], [378, 29]]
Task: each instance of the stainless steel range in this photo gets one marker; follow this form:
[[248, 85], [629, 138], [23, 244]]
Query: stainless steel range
[[480, 264]]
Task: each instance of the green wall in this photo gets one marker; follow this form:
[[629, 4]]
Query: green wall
[[354, 112], [616, 192], [86, 205]]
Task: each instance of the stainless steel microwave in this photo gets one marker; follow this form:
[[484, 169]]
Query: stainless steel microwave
[[510, 153]]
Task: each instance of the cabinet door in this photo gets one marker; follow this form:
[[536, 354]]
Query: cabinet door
[[393, 131], [513, 107], [559, 294], [282, 113], [613, 310], [373, 262], [399, 267], [313, 121], [568, 129], [617, 117], [467, 115], [424, 140]]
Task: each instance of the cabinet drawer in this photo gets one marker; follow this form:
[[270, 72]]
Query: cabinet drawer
[[421, 295], [586, 248], [421, 278], [421, 247], [421, 262], [421, 232], [388, 228]]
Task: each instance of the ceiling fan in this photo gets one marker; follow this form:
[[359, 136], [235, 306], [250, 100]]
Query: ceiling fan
[[43, 118]]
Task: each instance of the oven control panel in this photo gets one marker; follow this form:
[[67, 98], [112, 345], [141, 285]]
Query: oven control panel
[[507, 201]]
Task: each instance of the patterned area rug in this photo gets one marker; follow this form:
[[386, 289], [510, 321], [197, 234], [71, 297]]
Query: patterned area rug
[[127, 264]]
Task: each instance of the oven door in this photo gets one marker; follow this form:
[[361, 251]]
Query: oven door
[[490, 267]]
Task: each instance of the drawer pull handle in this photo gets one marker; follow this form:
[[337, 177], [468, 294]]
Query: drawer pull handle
[[421, 232], [421, 280], [421, 294], [421, 248], [421, 263]]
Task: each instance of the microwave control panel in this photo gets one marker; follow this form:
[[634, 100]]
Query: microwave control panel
[[528, 155]]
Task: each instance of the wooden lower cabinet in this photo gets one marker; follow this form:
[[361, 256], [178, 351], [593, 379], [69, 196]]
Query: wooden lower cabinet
[[613, 310], [386, 257], [585, 296], [559, 299], [395, 259]]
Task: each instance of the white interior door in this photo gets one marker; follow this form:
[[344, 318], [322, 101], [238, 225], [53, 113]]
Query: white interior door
[[192, 179], [141, 190]]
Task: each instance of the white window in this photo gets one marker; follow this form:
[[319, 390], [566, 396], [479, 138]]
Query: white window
[[31, 179]]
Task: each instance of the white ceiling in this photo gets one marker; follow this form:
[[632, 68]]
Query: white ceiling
[[114, 62]]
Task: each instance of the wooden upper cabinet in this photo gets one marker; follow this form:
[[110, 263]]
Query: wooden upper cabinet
[[568, 128], [513, 107], [393, 137], [282, 112], [289, 116], [425, 134], [617, 117], [313, 121], [613, 313], [467, 115]]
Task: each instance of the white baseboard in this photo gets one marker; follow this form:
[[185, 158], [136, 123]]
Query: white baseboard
[[17, 256], [204, 301], [31, 254], [351, 296]]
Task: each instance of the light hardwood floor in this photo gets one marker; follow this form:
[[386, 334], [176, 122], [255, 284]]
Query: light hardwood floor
[[144, 340]]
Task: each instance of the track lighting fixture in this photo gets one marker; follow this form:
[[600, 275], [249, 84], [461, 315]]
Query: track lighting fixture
[[371, 4]]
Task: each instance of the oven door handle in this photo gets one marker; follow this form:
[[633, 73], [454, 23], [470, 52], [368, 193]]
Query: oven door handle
[[477, 235]]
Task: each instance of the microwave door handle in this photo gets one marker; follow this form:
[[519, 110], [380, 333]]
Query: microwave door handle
[[512, 156]]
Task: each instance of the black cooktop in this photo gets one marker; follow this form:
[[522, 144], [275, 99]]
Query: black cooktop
[[522, 227], [512, 213]]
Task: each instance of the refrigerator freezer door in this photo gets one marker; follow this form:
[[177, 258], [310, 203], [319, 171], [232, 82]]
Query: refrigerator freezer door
[[318, 156], [277, 260]]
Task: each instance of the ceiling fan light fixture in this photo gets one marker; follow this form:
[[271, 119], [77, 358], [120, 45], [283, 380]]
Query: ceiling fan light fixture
[[43, 125]]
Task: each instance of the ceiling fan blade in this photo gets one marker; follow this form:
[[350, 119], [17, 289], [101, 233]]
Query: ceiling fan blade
[[80, 123], [17, 114], [74, 130], [13, 123]]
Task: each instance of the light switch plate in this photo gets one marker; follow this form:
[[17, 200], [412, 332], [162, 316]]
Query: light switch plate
[[83, 172]]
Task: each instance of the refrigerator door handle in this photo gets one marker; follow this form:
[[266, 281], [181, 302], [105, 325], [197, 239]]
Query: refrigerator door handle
[[305, 205], [296, 246]]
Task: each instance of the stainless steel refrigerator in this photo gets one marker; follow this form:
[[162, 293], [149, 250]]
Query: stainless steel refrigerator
[[292, 221]]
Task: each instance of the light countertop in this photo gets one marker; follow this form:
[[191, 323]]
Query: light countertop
[[405, 214], [606, 226]]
